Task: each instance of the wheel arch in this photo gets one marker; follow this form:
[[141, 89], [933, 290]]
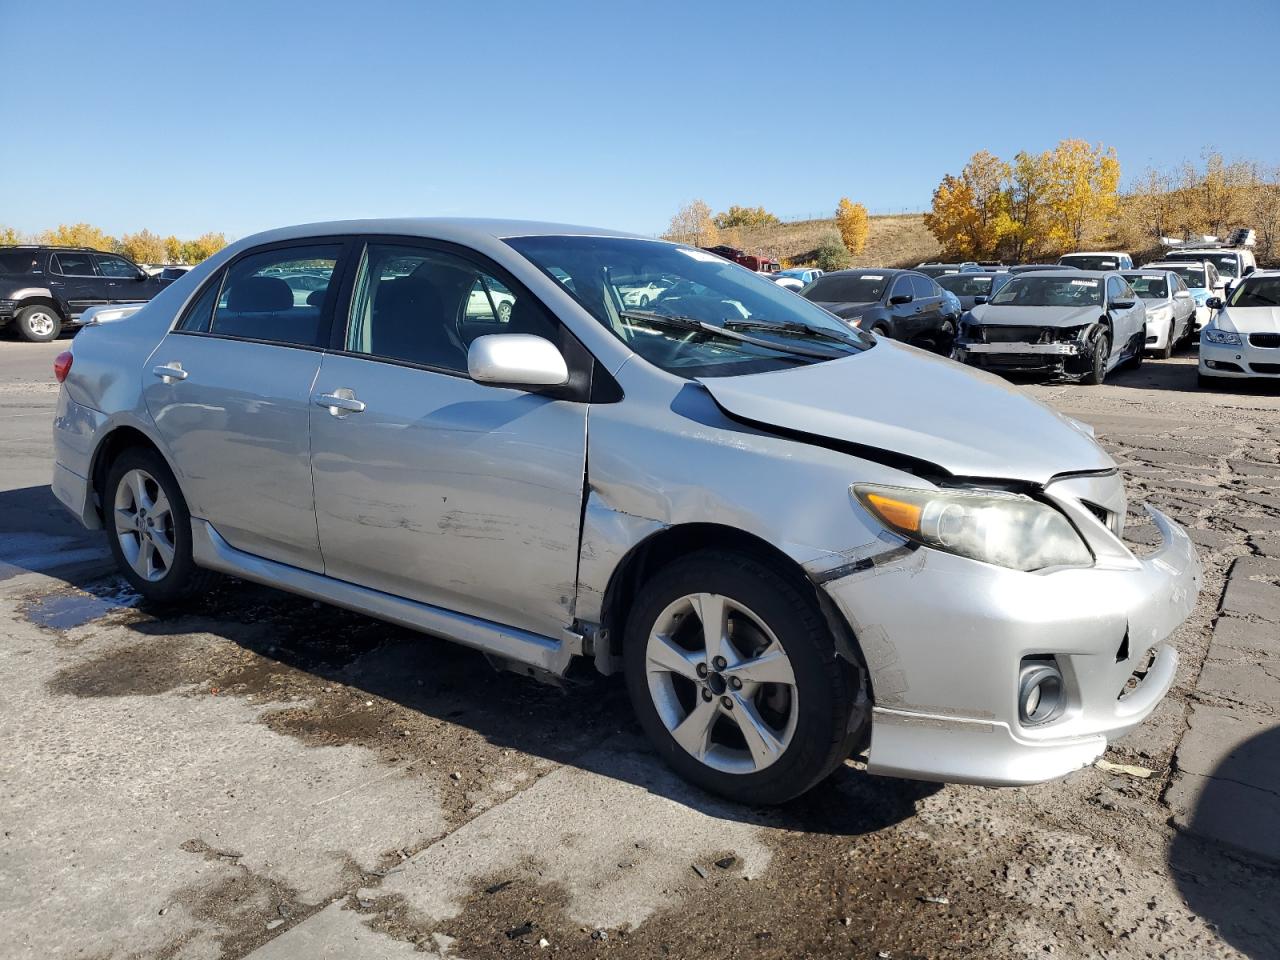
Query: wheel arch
[[38, 296], [117, 439], [669, 543]]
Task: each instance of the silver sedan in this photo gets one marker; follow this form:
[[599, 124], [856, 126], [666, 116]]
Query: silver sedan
[[797, 541]]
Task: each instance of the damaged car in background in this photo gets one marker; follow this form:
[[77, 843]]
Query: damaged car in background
[[1069, 325], [796, 540]]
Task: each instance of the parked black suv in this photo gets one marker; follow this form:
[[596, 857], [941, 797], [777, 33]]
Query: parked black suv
[[902, 304], [44, 288]]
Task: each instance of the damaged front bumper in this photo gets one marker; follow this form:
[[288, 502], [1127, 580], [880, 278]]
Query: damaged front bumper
[[946, 638], [1058, 353]]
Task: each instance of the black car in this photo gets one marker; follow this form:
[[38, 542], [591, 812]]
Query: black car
[[973, 288], [43, 289], [902, 304], [1026, 267]]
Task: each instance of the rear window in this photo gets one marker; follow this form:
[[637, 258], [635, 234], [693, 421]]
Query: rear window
[[1228, 264], [966, 284], [1090, 262], [861, 288], [17, 261]]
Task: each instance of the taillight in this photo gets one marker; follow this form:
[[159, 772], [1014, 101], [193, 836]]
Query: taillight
[[62, 365]]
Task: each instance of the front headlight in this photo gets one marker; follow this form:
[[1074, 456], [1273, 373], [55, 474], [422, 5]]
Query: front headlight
[[854, 321], [1224, 337], [1159, 314], [1007, 529]]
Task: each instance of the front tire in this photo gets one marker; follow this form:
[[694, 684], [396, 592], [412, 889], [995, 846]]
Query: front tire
[[38, 323], [1167, 350], [1101, 353], [880, 330], [755, 707], [149, 528]]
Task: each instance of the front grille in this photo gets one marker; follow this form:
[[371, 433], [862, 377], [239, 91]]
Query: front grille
[[1002, 334], [1264, 340], [1265, 367], [1017, 360]]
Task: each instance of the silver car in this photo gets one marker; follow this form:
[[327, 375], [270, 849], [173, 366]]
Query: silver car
[[1170, 309], [795, 539]]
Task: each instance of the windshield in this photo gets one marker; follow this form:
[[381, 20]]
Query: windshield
[[1090, 261], [1148, 286], [938, 270], [847, 288], [710, 294], [1257, 292], [1033, 291], [1228, 264], [966, 285], [1194, 276]]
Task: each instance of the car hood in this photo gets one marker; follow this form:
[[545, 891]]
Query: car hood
[[1036, 316], [843, 308], [905, 401], [1250, 319]]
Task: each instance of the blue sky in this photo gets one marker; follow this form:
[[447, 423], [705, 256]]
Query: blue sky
[[186, 117]]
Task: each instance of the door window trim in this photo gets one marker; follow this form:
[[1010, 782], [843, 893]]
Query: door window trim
[[55, 259], [327, 310], [588, 380]]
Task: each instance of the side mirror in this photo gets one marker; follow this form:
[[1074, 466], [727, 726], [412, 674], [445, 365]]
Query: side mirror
[[901, 298], [1122, 304], [1249, 269], [516, 360], [1214, 303], [142, 275], [978, 301]]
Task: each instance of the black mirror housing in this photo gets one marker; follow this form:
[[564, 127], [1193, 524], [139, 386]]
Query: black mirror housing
[[978, 301], [901, 298], [1214, 303]]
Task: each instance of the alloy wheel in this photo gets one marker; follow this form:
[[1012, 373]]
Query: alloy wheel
[[722, 684], [144, 525], [41, 324]]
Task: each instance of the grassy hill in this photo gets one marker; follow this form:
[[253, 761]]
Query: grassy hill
[[892, 241]]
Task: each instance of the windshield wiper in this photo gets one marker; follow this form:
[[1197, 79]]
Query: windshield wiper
[[793, 327], [694, 325]]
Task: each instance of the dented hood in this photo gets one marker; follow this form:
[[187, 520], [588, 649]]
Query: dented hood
[[904, 401], [1064, 317]]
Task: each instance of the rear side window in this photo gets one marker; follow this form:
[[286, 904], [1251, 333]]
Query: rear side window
[[116, 267], [72, 264], [277, 296], [22, 261], [199, 315], [424, 306]]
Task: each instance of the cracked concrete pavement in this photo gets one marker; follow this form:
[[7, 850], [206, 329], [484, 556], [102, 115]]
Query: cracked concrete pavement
[[259, 775]]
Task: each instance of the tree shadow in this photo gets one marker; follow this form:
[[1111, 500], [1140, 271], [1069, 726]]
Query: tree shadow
[[585, 722], [1225, 856]]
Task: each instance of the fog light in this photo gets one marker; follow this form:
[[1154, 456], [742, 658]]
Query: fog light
[[1041, 696]]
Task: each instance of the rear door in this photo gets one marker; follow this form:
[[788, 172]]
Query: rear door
[[74, 277], [429, 485], [229, 389]]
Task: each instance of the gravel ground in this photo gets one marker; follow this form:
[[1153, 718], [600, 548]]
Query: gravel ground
[[260, 774]]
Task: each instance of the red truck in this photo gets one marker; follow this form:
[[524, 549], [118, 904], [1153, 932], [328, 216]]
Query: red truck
[[751, 261]]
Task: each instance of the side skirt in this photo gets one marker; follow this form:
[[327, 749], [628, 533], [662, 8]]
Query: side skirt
[[553, 656]]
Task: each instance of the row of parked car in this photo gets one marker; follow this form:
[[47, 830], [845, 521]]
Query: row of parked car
[[1077, 319]]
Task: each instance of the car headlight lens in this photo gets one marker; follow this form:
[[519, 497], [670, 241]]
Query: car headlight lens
[[1159, 314], [1007, 529], [854, 321], [1224, 337]]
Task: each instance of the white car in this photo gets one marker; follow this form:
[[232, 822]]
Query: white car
[[1171, 310], [1243, 339], [489, 299], [796, 278], [1202, 280], [1231, 263], [1097, 260], [640, 293]]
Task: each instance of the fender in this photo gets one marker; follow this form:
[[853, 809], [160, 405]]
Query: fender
[[39, 293]]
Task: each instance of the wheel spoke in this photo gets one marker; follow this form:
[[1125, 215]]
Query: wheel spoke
[[694, 731], [159, 509], [146, 559], [714, 616], [664, 654], [761, 741], [138, 484], [126, 520], [772, 666], [163, 548]]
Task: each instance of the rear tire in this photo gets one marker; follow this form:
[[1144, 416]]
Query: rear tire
[[38, 323], [762, 741], [149, 528]]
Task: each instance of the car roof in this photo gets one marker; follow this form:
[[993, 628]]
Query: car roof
[[1097, 253], [52, 246], [1070, 274], [463, 230], [859, 271], [982, 273]]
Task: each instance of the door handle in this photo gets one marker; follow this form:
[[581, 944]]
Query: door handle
[[170, 372], [341, 402]]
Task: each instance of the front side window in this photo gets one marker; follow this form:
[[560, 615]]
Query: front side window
[[73, 264], [1033, 291], [710, 318], [116, 267], [423, 306], [277, 296], [1257, 292], [923, 288]]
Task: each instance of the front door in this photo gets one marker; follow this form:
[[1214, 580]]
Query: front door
[[230, 391], [429, 485], [74, 277], [126, 283]]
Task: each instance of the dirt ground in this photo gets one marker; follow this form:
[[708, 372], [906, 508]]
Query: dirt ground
[[261, 775]]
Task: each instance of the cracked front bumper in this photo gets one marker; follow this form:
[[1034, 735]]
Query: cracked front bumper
[[1061, 359], [944, 638]]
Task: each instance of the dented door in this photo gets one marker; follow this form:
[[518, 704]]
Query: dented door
[[448, 492]]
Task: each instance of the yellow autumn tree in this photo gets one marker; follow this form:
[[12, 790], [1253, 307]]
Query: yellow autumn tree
[[201, 248], [853, 223], [172, 249], [1020, 225], [9, 236], [737, 216], [966, 212], [143, 247], [1082, 184], [693, 224], [78, 235]]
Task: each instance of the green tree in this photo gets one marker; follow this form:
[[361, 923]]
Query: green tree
[[853, 224], [831, 253], [737, 216]]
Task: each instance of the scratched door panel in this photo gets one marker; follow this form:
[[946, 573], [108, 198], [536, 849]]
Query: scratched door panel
[[451, 493]]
